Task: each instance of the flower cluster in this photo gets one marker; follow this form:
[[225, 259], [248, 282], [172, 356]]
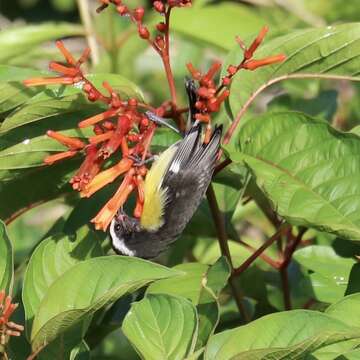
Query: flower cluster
[[7, 328], [123, 127], [211, 96], [137, 15]]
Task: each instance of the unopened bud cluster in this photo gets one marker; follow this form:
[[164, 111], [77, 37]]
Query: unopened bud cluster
[[210, 96], [7, 328]]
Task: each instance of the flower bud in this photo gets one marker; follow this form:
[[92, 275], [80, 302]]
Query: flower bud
[[159, 6], [139, 13], [122, 10], [162, 27], [143, 32]]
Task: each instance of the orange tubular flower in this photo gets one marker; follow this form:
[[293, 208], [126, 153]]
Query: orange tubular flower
[[49, 81], [51, 159], [70, 142], [7, 328], [106, 177], [88, 169], [101, 137], [248, 54], [103, 219], [67, 55], [254, 64], [97, 118]]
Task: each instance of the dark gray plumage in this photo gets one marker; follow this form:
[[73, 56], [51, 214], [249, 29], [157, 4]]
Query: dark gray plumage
[[186, 179]]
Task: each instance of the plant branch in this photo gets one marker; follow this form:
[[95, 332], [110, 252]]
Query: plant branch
[[85, 16], [260, 250], [222, 165], [219, 224], [286, 288], [224, 248], [33, 355], [273, 263], [165, 56], [292, 244]]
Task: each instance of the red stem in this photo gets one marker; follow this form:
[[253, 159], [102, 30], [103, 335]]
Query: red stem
[[260, 250], [286, 288], [288, 253], [224, 248], [165, 56], [273, 263]]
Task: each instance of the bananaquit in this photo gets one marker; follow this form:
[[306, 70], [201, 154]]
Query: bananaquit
[[174, 188]]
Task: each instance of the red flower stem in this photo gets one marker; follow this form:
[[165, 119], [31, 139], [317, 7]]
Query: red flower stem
[[165, 56], [147, 141], [273, 263], [260, 250]]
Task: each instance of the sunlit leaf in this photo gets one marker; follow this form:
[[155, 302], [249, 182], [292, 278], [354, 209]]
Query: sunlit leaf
[[162, 327], [329, 282], [307, 170], [85, 288], [6, 260], [194, 23], [53, 257], [14, 41], [291, 335], [201, 284], [331, 52]]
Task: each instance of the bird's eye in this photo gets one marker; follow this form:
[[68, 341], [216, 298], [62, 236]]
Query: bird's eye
[[117, 227]]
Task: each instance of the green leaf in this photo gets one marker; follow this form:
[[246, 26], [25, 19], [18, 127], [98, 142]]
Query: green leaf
[[27, 147], [56, 100], [87, 287], [6, 260], [200, 284], [194, 23], [53, 257], [18, 74], [81, 352], [286, 335], [329, 282], [324, 105], [36, 111], [331, 52], [308, 170], [346, 310], [17, 40], [187, 285], [162, 327], [353, 283], [46, 184]]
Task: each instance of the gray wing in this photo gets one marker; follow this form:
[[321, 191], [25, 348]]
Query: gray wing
[[186, 187]]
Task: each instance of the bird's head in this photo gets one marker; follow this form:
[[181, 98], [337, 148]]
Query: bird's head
[[121, 229]]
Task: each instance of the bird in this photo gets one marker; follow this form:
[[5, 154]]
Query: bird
[[173, 189]]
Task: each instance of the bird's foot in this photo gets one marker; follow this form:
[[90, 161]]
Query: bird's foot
[[138, 161]]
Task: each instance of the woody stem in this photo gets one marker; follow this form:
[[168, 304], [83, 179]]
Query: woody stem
[[224, 247], [165, 56]]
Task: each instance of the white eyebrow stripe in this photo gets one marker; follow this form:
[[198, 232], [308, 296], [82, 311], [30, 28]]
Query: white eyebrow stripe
[[119, 243]]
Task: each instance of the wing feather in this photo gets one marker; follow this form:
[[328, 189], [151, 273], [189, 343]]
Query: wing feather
[[156, 196]]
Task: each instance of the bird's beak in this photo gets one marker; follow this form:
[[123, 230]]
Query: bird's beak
[[160, 121]]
